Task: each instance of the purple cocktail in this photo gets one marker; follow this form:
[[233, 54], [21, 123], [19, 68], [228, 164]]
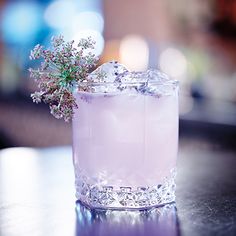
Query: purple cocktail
[[125, 140]]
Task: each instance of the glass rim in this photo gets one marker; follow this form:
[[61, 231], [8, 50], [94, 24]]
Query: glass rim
[[128, 83]]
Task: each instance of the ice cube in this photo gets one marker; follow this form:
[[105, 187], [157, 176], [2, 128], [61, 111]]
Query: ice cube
[[157, 76], [105, 78], [107, 72], [159, 84], [150, 82], [113, 77]]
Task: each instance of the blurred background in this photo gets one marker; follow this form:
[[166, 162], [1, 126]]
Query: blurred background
[[193, 41]]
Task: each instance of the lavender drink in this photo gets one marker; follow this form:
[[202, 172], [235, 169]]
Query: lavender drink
[[125, 124], [125, 140]]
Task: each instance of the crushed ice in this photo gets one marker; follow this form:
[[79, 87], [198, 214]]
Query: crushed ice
[[107, 72], [113, 77]]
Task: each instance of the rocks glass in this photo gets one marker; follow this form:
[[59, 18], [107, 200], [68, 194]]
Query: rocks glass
[[125, 142]]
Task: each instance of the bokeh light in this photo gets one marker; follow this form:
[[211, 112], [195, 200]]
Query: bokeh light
[[95, 35], [173, 62], [20, 22], [88, 20], [60, 14], [134, 52], [76, 20], [89, 5]]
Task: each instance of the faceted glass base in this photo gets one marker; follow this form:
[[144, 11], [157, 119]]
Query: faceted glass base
[[125, 197]]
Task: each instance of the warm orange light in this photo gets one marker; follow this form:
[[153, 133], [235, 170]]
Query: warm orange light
[[111, 51]]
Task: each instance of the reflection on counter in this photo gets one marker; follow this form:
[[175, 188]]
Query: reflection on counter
[[156, 221]]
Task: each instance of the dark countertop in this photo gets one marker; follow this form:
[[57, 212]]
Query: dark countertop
[[37, 197]]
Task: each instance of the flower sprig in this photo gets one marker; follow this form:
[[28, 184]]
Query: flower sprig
[[62, 67]]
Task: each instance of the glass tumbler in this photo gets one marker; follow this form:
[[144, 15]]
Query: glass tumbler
[[125, 146]]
